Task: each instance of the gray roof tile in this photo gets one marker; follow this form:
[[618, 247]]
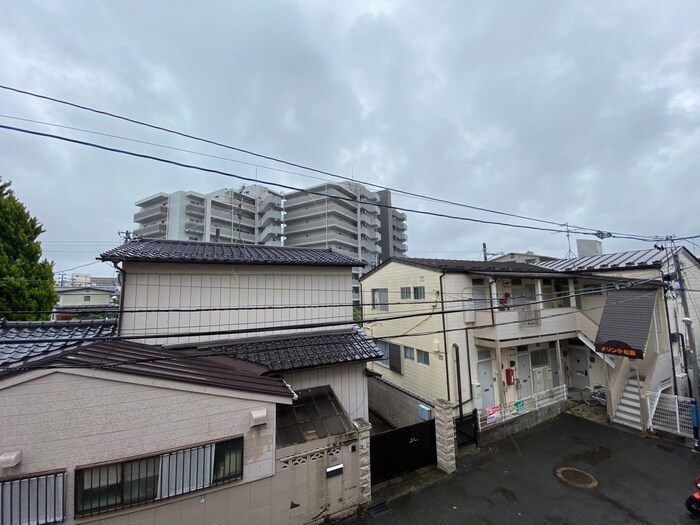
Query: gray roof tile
[[218, 253], [17, 338], [301, 351]]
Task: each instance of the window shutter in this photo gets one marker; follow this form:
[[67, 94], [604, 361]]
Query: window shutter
[[395, 357]]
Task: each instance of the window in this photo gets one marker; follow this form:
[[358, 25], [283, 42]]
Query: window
[[405, 292], [34, 500], [86, 298], [419, 292], [129, 483], [423, 357], [408, 353], [380, 299], [592, 289], [384, 347], [539, 358]]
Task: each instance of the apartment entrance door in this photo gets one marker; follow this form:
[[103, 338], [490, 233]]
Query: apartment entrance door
[[524, 375]]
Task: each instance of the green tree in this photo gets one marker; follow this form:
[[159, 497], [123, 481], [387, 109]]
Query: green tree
[[26, 283]]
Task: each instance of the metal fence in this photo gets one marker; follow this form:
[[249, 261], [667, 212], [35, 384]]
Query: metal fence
[[498, 414], [35, 500], [669, 413]]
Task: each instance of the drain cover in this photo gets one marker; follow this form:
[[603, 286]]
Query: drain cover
[[576, 478], [378, 510]]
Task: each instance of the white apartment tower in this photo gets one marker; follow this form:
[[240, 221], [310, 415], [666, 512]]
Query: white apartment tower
[[250, 215], [340, 216]]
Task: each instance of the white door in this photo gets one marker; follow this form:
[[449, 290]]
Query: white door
[[554, 364], [540, 380], [524, 376], [578, 367], [486, 379]]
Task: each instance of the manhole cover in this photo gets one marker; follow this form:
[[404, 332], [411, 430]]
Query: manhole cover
[[576, 478]]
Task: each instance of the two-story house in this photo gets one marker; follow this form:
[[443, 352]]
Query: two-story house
[[194, 317], [504, 338]]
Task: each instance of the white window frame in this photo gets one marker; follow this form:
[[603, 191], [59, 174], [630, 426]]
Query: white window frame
[[406, 293], [425, 360], [418, 293], [380, 299]]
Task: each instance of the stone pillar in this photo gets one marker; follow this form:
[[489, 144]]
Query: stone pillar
[[445, 436], [365, 482]]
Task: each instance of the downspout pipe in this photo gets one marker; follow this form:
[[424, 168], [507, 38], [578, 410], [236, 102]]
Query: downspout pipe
[[122, 282], [670, 334], [444, 335], [459, 380]]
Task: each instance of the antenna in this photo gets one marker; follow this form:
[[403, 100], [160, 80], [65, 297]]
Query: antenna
[[569, 254]]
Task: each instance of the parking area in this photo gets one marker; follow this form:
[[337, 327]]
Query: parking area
[[569, 470]]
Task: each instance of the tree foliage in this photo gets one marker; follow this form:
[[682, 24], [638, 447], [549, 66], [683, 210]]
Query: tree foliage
[[26, 282]]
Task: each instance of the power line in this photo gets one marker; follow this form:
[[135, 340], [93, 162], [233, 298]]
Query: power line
[[233, 342], [285, 186], [592, 231], [299, 326], [259, 155]]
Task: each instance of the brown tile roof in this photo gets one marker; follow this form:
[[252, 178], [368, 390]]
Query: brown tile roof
[[155, 361], [218, 253]]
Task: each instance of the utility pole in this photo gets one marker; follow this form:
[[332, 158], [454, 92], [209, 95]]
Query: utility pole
[[486, 255], [688, 322]]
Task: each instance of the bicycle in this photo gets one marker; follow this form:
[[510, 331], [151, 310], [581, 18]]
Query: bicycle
[[594, 396]]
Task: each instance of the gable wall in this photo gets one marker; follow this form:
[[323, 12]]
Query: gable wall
[[349, 383], [427, 381], [183, 286]]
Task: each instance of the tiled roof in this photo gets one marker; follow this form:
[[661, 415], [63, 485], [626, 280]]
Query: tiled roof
[[204, 252], [610, 261], [155, 361], [16, 337], [302, 351]]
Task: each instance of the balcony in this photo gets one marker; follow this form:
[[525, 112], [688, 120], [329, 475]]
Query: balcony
[[521, 323], [195, 210], [151, 214], [193, 227], [154, 231]]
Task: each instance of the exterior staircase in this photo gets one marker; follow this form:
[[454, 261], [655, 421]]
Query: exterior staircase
[[628, 411]]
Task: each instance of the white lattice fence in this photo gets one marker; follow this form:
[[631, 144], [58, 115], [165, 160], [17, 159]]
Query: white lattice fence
[[670, 413]]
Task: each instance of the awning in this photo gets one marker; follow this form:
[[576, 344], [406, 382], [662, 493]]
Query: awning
[[624, 327]]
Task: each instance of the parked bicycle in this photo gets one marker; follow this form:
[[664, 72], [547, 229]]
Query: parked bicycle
[[594, 395]]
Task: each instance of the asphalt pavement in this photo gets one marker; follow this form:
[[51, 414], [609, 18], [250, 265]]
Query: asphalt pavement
[[607, 475]]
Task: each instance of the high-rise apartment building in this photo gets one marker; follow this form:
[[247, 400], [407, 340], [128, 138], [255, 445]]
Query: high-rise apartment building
[[250, 215], [343, 216], [340, 216], [392, 228]]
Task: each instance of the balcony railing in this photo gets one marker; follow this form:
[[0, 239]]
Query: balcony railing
[[192, 227], [529, 317], [157, 212], [195, 210], [154, 230]]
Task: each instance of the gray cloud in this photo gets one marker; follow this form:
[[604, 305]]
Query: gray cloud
[[586, 113]]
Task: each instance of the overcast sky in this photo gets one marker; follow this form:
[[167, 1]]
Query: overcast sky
[[578, 112]]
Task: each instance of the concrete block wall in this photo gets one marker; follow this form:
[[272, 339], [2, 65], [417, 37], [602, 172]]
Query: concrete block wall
[[395, 405], [520, 423]]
